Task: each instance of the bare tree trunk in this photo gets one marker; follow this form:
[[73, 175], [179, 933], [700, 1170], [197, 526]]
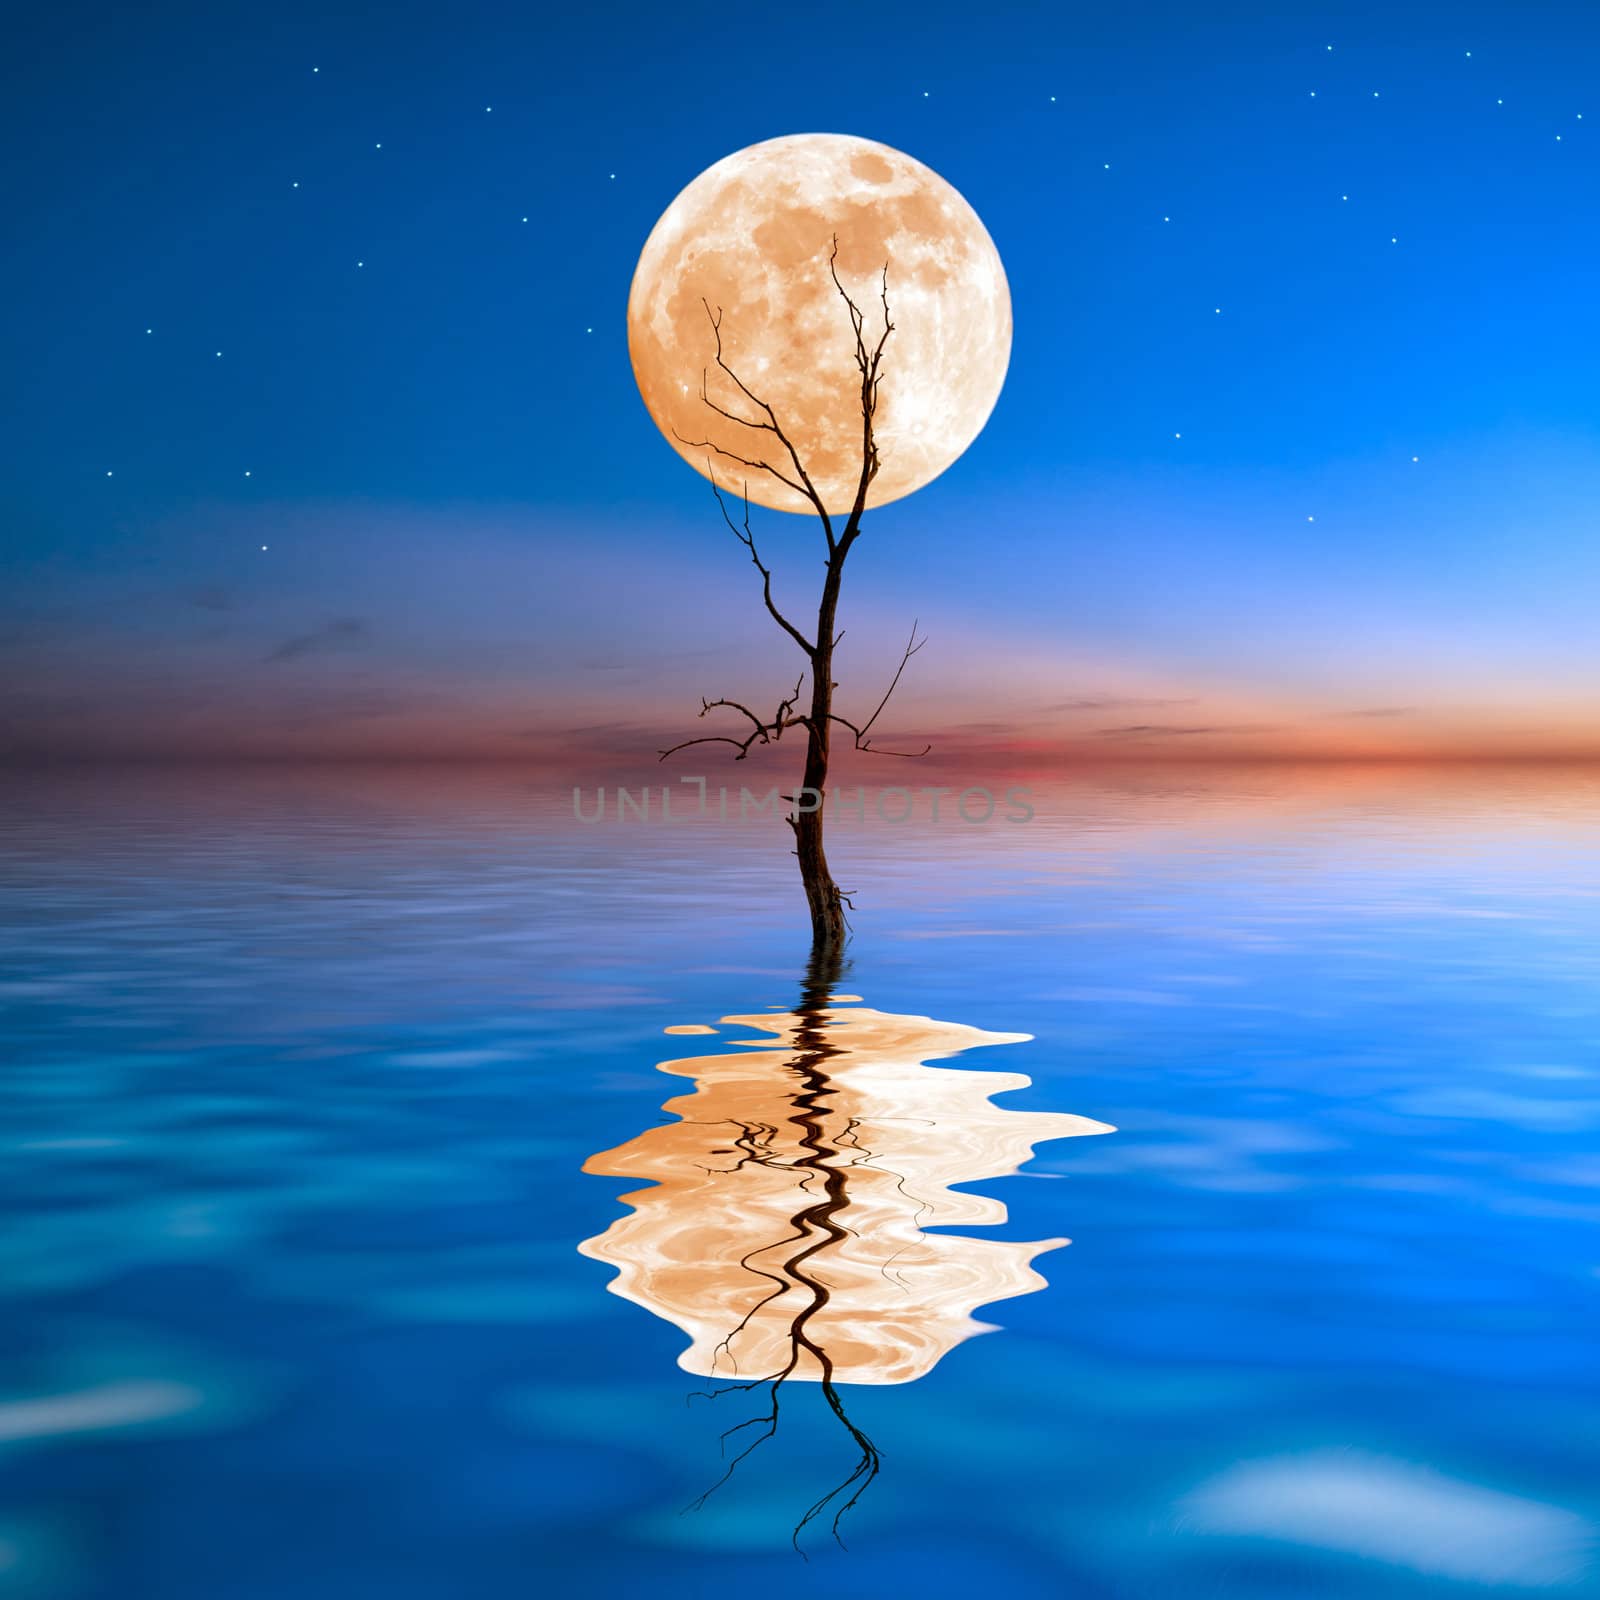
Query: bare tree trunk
[[828, 929]]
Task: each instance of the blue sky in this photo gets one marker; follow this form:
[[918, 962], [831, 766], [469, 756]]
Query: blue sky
[[463, 500]]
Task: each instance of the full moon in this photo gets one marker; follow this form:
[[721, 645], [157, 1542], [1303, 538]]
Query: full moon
[[752, 236]]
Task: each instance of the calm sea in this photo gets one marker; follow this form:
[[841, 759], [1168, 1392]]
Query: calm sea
[[320, 1090]]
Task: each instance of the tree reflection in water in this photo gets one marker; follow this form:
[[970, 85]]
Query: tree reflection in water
[[784, 1228]]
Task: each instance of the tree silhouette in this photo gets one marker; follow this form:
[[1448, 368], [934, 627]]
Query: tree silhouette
[[776, 456]]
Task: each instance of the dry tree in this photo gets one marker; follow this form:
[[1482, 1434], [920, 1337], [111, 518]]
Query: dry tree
[[776, 456]]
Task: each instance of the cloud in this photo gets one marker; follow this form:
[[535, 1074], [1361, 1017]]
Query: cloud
[[332, 705], [1377, 711], [626, 729], [335, 635], [1167, 730], [1394, 1512], [1112, 703]]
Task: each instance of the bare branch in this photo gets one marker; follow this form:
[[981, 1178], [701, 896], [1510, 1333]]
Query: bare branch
[[872, 749], [744, 461], [869, 363], [741, 745], [913, 644], [805, 486], [786, 707], [764, 732], [733, 705], [747, 539], [856, 320]]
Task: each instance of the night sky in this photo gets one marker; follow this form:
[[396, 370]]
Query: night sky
[[322, 437]]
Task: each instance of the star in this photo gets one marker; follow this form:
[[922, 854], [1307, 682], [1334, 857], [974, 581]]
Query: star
[[1052, 99], [247, 474], [219, 355], [588, 330], [612, 176], [377, 147], [1416, 458], [1311, 519], [1344, 197], [361, 263], [1313, 94], [149, 330], [294, 185], [488, 108], [1177, 436], [524, 219], [1394, 241], [1166, 219], [1218, 310], [319, 69], [1374, 94], [263, 547], [108, 474]]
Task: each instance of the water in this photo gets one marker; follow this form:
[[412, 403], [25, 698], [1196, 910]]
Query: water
[[304, 1284]]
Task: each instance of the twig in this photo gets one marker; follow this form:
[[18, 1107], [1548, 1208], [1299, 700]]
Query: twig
[[747, 539], [913, 644]]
